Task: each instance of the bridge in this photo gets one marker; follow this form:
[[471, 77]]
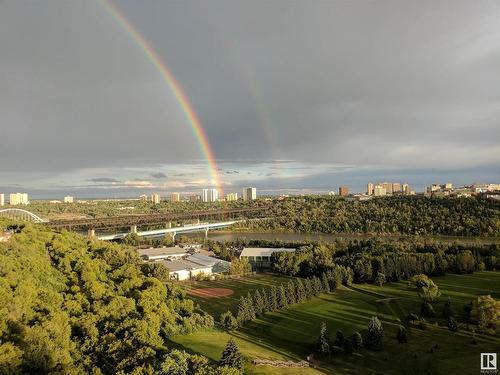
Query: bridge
[[20, 214], [131, 221], [171, 231], [219, 219]]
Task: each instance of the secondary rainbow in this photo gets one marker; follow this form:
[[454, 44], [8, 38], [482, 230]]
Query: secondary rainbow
[[174, 86]]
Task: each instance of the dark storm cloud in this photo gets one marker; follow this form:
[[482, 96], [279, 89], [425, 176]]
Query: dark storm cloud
[[379, 86]]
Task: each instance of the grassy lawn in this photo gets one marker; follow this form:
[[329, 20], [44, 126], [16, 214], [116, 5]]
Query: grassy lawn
[[292, 333], [240, 286]]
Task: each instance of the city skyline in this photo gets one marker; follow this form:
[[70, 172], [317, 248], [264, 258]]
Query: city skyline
[[414, 101]]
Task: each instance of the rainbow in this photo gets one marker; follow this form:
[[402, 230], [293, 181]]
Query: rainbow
[[175, 87]]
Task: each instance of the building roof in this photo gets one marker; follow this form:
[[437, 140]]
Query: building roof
[[262, 251], [161, 252], [181, 264]]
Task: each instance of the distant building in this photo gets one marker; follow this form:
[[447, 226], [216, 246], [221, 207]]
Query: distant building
[[406, 189], [447, 186], [332, 193], [18, 198], [194, 198], [260, 257], [175, 197], [184, 264], [249, 194], [210, 195], [230, 197], [2, 199], [388, 187], [68, 199], [343, 191], [155, 198], [369, 188], [143, 197], [379, 191], [396, 188]]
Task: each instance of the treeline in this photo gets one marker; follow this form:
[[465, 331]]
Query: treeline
[[71, 305], [416, 215], [277, 298], [372, 259]]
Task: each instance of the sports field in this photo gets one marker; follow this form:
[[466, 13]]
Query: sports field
[[292, 332], [201, 291]]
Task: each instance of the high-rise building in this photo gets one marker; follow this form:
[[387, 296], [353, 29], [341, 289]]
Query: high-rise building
[[396, 187], [379, 191], [369, 188], [231, 197], [388, 187], [406, 189], [194, 198], [143, 197], [155, 198], [249, 194], [2, 199], [343, 191], [18, 198], [210, 195], [68, 199], [175, 197]]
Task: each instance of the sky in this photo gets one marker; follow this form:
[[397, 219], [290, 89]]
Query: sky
[[294, 96]]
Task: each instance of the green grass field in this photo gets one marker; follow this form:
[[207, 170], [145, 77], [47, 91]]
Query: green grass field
[[291, 333]]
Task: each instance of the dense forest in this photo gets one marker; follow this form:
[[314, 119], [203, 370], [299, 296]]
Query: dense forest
[[74, 306], [415, 215]]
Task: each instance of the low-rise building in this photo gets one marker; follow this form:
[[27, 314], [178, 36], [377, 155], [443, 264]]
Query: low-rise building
[[68, 199], [18, 198], [260, 257], [230, 197]]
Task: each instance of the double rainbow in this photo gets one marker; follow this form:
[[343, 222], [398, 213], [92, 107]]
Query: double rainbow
[[174, 86]]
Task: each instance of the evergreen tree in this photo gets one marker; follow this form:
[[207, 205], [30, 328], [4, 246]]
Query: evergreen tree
[[282, 300], [325, 283], [447, 310], [380, 279], [273, 298], [402, 335], [348, 348], [265, 299], [323, 347], [250, 308], [242, 315], [291, 293], [357, 340], [339, 339], [375, 334], [258, 303], [300, 291], [452, 324], [427, 310], [231, 356], [317, 286], [228, 321]]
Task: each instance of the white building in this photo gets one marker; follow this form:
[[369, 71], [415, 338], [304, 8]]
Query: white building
[[260, 257], [18, 198], [2, 199], [155, 198], [68, 199], [249, 194], [230, 197], [210, 195]]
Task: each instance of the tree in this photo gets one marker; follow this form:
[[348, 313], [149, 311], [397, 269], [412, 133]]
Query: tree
[[447, 310], [291, 293], [357, 341], [282, 300], [323, 347], [426, 289], [348, 348], [375, 334], [402, 336], [273, 298], [325, 283], [339, 339], [231, 356], [380, 279], [452, 324], [486, 311], [228, 321], [427, 310], [258, 303]]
